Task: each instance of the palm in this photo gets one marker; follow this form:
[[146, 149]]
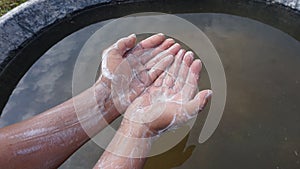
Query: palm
[[132, 68], [170, 101]]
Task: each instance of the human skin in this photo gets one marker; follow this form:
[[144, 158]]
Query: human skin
[[169, 102], [48, 139]]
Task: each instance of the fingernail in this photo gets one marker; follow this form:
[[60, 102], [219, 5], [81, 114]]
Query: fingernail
[[170, 39], [132, 36], [188, 57], [208, 94], [190, 53], [174, 46], [161, 34], [198, 60]]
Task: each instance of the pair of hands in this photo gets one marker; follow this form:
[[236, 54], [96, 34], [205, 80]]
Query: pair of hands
[[155, 82]]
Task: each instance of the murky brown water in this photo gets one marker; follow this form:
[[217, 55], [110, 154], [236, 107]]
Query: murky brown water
[[260, 125]]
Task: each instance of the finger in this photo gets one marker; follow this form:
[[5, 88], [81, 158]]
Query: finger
[[159, 81], [174, 69], [165, 45], [198, 103], [191, 84], [151, 53], [183, 71], [144, 48], [171, 51], [124, 44], [152, 41], [157, 69]]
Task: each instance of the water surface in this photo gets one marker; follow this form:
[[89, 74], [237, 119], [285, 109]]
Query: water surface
[[260, 125]]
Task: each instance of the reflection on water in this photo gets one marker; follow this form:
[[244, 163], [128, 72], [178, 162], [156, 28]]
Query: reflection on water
[[260, 126], [48, 82], [173, 158]]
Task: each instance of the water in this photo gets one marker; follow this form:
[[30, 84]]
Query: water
[[260, 125]]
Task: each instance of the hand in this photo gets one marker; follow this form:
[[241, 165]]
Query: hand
[[155, 51], [170, 100]]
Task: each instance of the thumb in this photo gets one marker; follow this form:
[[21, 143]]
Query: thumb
[[198, 103], [126, 43]]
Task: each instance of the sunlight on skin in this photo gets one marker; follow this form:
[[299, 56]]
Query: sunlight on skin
[[175, 91], [59, 129], [138, 71], [63, 129], [166, 104], [148, 51]]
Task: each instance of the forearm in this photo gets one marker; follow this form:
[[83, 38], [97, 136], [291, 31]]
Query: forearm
[[128, 149], [48, 139]]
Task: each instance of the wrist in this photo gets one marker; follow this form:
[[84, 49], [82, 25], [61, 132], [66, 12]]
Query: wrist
[[101, 91], [135, 130], [136, 141], [104, 80], [102, 94]]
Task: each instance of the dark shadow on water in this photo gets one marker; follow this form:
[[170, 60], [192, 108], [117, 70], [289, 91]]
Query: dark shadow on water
[[175, 157]]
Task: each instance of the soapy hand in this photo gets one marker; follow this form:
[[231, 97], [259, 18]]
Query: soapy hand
[[171, 100], [123, 61]]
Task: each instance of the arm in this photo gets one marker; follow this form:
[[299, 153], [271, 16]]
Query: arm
[[128, 149], [48, 139], [169, 102]]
